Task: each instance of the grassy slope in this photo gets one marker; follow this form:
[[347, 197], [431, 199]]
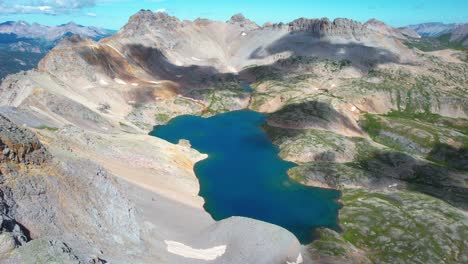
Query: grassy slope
[[395, 227], [410, 144]]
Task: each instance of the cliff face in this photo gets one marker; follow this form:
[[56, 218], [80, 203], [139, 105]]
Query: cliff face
[[53, 197], [324, 27], [19, 145]]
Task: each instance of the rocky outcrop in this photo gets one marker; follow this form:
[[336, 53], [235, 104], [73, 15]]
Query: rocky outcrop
[[146, 21], [45, 251], [243, 22], [246, 234], [324, 27], [41, 197], [19, 145], [12, 234]]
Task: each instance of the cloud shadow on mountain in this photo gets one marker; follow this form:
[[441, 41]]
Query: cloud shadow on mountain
[[305, 44], [312, 114]]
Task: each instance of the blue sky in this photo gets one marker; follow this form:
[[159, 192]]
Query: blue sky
[[113, 14]]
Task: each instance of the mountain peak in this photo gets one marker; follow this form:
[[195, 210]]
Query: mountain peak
[[374, 21], [70, 24], [149, 17], [148, 14], [145, 21], [240, 19]]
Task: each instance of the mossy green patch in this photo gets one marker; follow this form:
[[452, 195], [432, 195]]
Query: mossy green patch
[[47, 128], [162, 118], [403, 227], [439, 139]]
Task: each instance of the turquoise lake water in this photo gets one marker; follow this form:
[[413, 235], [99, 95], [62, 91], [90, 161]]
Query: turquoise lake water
[[243, 175]]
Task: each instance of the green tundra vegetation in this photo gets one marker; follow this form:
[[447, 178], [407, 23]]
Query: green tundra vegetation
[[403, 183]]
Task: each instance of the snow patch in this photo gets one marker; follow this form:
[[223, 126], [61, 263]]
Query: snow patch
[[196, 59], [135, 84], [298, 260], [103, 82], [189, 252], [119, 81]]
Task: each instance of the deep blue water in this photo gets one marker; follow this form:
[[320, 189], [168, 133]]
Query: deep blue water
[[243, 175], [246, 87]]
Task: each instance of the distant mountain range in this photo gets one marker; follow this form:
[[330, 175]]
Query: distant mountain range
[[437, 35], [433, 29], [23, 45]]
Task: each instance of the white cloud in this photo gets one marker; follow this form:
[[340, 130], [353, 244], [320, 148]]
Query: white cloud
[[92, 14], [161, 10], [43, 6]]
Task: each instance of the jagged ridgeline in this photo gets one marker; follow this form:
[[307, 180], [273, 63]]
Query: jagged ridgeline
[[355, 105]]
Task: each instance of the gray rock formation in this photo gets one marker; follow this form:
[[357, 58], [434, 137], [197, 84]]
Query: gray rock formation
[[243, 22], [19, 145], [45, 193], [323, 27], [247, 241], [145, 21]]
